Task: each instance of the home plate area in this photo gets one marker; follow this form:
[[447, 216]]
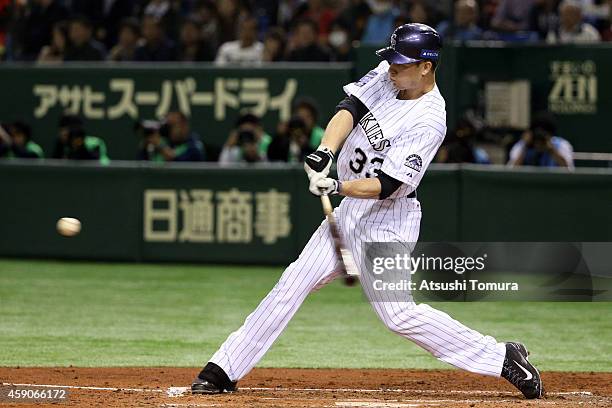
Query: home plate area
[[272, 387]]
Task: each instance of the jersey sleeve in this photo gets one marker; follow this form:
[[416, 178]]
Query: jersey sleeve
[[358, 88], [410, 155]]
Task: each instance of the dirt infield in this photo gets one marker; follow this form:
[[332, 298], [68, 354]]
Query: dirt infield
[[266, 387]]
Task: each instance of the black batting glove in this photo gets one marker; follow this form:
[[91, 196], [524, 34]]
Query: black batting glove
[[318, 163]]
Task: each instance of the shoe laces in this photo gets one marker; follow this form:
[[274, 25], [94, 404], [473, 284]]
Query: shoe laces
[[513, 375]]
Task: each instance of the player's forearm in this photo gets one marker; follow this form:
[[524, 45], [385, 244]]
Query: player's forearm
[[337, 130], [362, 188]]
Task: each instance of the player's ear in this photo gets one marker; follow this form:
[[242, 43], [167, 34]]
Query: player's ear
[[426, 68]]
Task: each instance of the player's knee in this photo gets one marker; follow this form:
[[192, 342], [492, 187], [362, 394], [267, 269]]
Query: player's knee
[[398, 319]]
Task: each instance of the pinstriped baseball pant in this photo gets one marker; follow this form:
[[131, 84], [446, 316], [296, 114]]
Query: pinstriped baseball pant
[[360, 221]]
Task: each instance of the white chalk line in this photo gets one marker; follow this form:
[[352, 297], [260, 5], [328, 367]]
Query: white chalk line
[[395, 390], [410, 402], [365, 404], [177, 391], [188, 405]]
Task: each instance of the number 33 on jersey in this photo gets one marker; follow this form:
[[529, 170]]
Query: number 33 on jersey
[[398, 137]]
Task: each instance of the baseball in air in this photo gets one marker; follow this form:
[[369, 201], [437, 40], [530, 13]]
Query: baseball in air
[[68, 227]]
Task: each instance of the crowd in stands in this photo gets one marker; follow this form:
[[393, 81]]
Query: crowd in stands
[[173, 140], [254, 31]]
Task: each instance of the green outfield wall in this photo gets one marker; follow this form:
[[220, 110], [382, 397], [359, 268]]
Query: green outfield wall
[[111, 98], [570, 81], [142, 212]]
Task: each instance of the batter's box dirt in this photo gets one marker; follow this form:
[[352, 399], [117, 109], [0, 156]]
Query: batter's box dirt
[[267, 387]]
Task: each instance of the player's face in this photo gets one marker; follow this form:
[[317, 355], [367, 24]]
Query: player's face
[[407, 76]]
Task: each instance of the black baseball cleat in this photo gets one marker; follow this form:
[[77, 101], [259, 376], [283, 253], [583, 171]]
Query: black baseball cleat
[[200, 386], [212, 380], [520, 372]]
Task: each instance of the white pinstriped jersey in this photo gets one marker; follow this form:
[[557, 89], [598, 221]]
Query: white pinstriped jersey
[[399, 137]]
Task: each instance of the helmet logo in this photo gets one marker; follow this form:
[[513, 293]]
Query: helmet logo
[[393, 40], [429, 54]]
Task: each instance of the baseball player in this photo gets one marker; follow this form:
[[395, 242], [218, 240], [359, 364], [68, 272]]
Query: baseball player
[[390, 126]]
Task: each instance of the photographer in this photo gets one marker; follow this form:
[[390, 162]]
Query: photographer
[[73, 142], [459, 146], [292, 142], [241, 148], [248, 142], [152, 144], [171, 140], [17, 142], [540, 147]]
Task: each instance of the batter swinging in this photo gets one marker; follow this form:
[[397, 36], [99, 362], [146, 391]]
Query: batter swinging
[[390, 126]]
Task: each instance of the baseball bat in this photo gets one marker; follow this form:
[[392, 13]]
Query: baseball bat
[[344, 255]]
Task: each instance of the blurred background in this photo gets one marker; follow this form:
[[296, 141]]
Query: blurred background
[[174, 129]]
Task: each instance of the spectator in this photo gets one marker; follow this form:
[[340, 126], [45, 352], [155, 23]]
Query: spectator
[[248, 142], [274, 45], [305, 45], [488, 8], [246, 50], [18, 142], [306, 109], [316, 10], [267, 12], [157, 8], [129, 34], [156, 46], [339, 41], [82, 47], [459, 146], [540, 147], [437, 10], [381, 22], [595, 11], [73, 143], [55, 51], [228, 18], [572, 29], [167, 12], [355, 16], [464, 26], [544, 17], [191, 47], [206, 12], [152, 144], [291, 143], [106, 17], [513, 15], [183, 143], [37, 27], [418, 13], [241, 148]]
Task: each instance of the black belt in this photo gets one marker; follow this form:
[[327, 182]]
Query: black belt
[[412, 195]]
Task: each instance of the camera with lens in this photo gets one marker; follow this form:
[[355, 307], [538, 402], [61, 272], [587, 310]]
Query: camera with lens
[[246, 137], [539, 138], [146, 128]]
